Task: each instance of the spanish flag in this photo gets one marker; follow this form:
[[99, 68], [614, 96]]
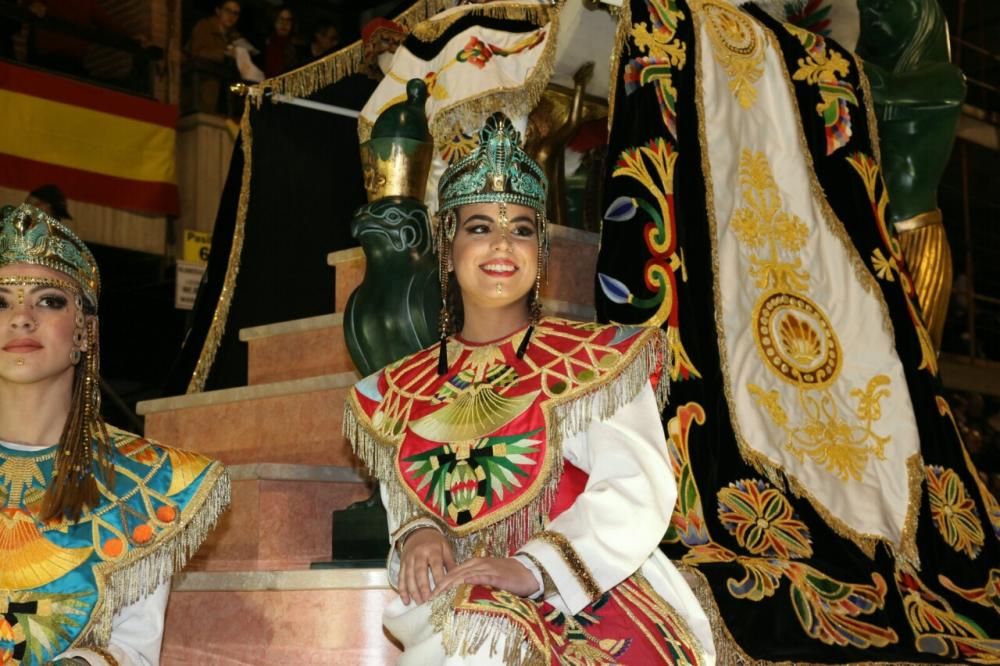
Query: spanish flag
[[98, 145]]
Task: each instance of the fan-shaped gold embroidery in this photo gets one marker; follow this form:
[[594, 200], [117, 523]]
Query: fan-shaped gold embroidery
[[800, 341], [28, 559], [473, 414]]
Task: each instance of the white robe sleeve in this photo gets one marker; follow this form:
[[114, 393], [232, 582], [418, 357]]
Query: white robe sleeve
[[136, 633], [617, 522]]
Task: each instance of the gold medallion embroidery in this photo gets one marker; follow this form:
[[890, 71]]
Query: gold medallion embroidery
[[796, 340], [737, 46]]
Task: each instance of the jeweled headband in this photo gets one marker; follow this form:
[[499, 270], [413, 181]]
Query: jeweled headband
[[497, 170], [29, 236]]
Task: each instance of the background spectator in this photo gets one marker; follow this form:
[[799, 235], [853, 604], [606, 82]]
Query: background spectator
[[50, 199], [279, 51], [325, 39], [210, 40]]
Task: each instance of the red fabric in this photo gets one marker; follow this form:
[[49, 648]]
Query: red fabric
[[138, 195], [571, 486], [86, 13], [631, 624], [75, 93], [276, 55], [380, 23], [591, 134]]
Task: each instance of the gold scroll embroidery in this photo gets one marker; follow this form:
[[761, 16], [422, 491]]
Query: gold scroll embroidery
[[796, 340], [737, 47]]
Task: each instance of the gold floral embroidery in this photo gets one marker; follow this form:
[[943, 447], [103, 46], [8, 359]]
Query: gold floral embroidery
[[824, 68], [795, 338], [737, 46], [953, 511]]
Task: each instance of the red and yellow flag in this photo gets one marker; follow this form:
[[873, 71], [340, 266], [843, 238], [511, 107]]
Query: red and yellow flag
[[98, 145]]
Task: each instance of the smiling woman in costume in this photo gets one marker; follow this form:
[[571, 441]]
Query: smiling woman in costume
[[93, 520], [522, 460]]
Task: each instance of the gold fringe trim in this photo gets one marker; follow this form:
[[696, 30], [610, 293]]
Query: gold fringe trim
[[772, 470], [564, 417], [221, 315], [924, 244], [535, 13], [470, 113], [145, 569], [326, 71], [869, 104], [729, 653], [622, 31], [300, 82], [573, 414], [465, 633]]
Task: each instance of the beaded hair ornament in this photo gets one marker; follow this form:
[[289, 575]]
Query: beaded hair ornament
[[29, 236], [497, 171]]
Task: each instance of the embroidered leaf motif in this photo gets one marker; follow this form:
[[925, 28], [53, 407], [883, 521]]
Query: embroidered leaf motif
[[762, 520], [46, 622], [954, 512], [828, 609], [462, 478]]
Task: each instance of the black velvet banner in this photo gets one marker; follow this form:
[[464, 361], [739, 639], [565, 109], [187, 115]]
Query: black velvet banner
[[306, 183], [800, 592]]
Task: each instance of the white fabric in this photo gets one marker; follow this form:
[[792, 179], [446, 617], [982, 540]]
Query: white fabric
[[877, 502], [615, 527], [136, 633], [459, 83]]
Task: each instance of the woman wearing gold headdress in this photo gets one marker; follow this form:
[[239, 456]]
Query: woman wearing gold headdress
[[93, 520], [522, 460]]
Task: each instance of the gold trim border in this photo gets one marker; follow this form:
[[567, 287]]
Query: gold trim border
[[771, 469]]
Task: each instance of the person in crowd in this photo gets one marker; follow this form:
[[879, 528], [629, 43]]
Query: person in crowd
[[509, 454], [50, 199], [280, 55], [212, 39], [325, 39], [93, 520]]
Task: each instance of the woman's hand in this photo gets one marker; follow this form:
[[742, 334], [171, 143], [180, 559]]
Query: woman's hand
[[423, 549], [502, 573]]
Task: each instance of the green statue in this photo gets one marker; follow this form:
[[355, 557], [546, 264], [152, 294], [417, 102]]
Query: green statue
[[918, 95], [394, 311]]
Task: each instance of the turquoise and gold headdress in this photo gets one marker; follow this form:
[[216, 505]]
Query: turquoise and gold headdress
[[498, 170], [29, 236]]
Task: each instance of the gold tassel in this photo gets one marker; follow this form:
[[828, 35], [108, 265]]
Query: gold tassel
[[145, 569], [466, 633], [928, 256]]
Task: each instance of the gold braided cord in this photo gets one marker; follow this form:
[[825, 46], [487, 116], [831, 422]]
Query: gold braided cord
[[221, 315], [300, 82], [573, 561]]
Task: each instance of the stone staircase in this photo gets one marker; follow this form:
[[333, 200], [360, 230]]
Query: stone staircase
[[248, 596]]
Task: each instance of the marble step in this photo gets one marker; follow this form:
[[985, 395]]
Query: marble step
[[296, 349], [572, 267], [315, 345], [279, 517], [296, 421], [278, 617]]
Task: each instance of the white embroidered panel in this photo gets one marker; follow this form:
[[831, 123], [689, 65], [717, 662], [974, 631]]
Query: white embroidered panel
[[814, 383]]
